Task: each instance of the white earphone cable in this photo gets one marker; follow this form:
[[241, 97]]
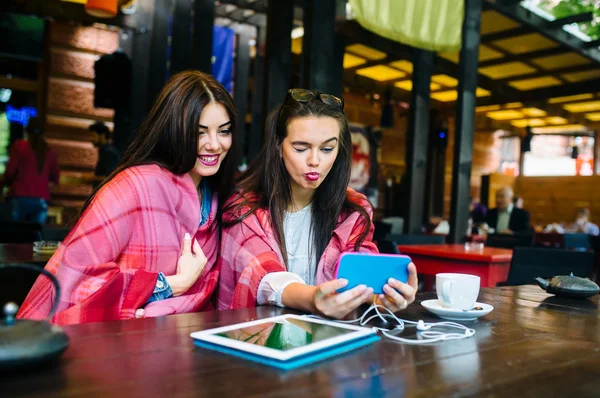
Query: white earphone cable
[[424, 334]]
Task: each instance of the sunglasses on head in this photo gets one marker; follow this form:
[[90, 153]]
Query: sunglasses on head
[[303, 95]]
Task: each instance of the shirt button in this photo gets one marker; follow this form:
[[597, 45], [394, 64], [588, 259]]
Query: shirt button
[[139, 313], [160, 284]]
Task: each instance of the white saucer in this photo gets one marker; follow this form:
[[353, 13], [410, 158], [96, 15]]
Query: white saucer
[[451, 314]]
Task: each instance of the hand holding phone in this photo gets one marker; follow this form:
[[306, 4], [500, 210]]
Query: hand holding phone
[[372, 270]]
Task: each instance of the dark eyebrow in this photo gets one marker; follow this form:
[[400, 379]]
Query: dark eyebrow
[[223, 125], [308, 144]]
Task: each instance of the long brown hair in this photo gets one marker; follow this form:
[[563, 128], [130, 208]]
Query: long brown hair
[[168, 137], [266, 183], [37, 142]]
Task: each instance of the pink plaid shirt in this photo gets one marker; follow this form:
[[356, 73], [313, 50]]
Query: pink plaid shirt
[[249, 251], [134, 228]]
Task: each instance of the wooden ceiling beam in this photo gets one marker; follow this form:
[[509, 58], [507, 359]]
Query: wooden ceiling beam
[[554, 72], [524, 16], [505, 34], [353, 30], [524, 56]]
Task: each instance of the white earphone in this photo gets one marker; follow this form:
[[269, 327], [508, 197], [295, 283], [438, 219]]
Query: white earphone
[[424, 333]]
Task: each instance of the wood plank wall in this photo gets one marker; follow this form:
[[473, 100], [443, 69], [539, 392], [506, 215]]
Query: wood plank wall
[[552, 199], [556, 199], [70, 107]]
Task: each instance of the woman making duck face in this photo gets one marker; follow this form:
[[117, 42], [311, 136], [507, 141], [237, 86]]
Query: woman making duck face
[[124, 257], [293, 215]]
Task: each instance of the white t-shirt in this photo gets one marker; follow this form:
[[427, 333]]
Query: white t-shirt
[[504, 219], [302, 263]]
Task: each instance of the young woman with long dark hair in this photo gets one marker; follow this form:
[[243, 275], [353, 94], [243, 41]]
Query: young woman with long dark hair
[[124, 257], [293, 215]]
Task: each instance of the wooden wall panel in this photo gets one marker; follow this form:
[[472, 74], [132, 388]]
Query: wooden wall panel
[[555, 199], [86, 38], [75, 191], [70, 97], [359, 109], [67, 63], [552, 199], [74, 154], [73, 51], [69, 128]]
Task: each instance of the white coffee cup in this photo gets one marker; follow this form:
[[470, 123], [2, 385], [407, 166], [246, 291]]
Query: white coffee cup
[[457, 291]]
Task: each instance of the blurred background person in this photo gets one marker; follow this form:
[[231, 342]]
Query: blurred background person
[[506, 218], [582, 224], [31, 167], [477, 211], [108, 154]]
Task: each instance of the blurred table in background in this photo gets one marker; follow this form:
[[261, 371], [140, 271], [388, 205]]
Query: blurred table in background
[[490, 264]]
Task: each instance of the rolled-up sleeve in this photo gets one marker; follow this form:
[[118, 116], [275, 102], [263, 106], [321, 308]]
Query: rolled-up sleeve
[[272, 285]]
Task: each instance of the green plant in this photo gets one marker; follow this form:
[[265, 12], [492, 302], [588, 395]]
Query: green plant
[[566, 8]]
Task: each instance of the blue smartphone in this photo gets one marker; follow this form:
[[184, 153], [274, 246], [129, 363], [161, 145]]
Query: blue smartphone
[[372, 270]]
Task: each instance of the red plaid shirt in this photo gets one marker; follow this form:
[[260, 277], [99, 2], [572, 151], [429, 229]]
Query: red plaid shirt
[[249, 251], [109, 263]]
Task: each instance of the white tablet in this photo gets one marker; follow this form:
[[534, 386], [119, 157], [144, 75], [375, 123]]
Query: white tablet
[[283, 337]]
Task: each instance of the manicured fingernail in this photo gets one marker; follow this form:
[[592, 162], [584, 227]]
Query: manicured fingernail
[[343, 282], [187, 236], [392, 280]]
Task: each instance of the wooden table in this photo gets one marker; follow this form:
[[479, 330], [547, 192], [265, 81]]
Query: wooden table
[[490, 264], [531, 345], [21, 253]]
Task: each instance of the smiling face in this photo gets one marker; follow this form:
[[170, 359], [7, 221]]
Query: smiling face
[[214, 141], [309, 151]]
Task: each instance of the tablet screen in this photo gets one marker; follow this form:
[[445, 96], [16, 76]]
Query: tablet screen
[[285, 334]]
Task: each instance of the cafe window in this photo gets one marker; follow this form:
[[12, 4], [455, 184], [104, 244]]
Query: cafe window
[[509, 150], [559, 155]]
